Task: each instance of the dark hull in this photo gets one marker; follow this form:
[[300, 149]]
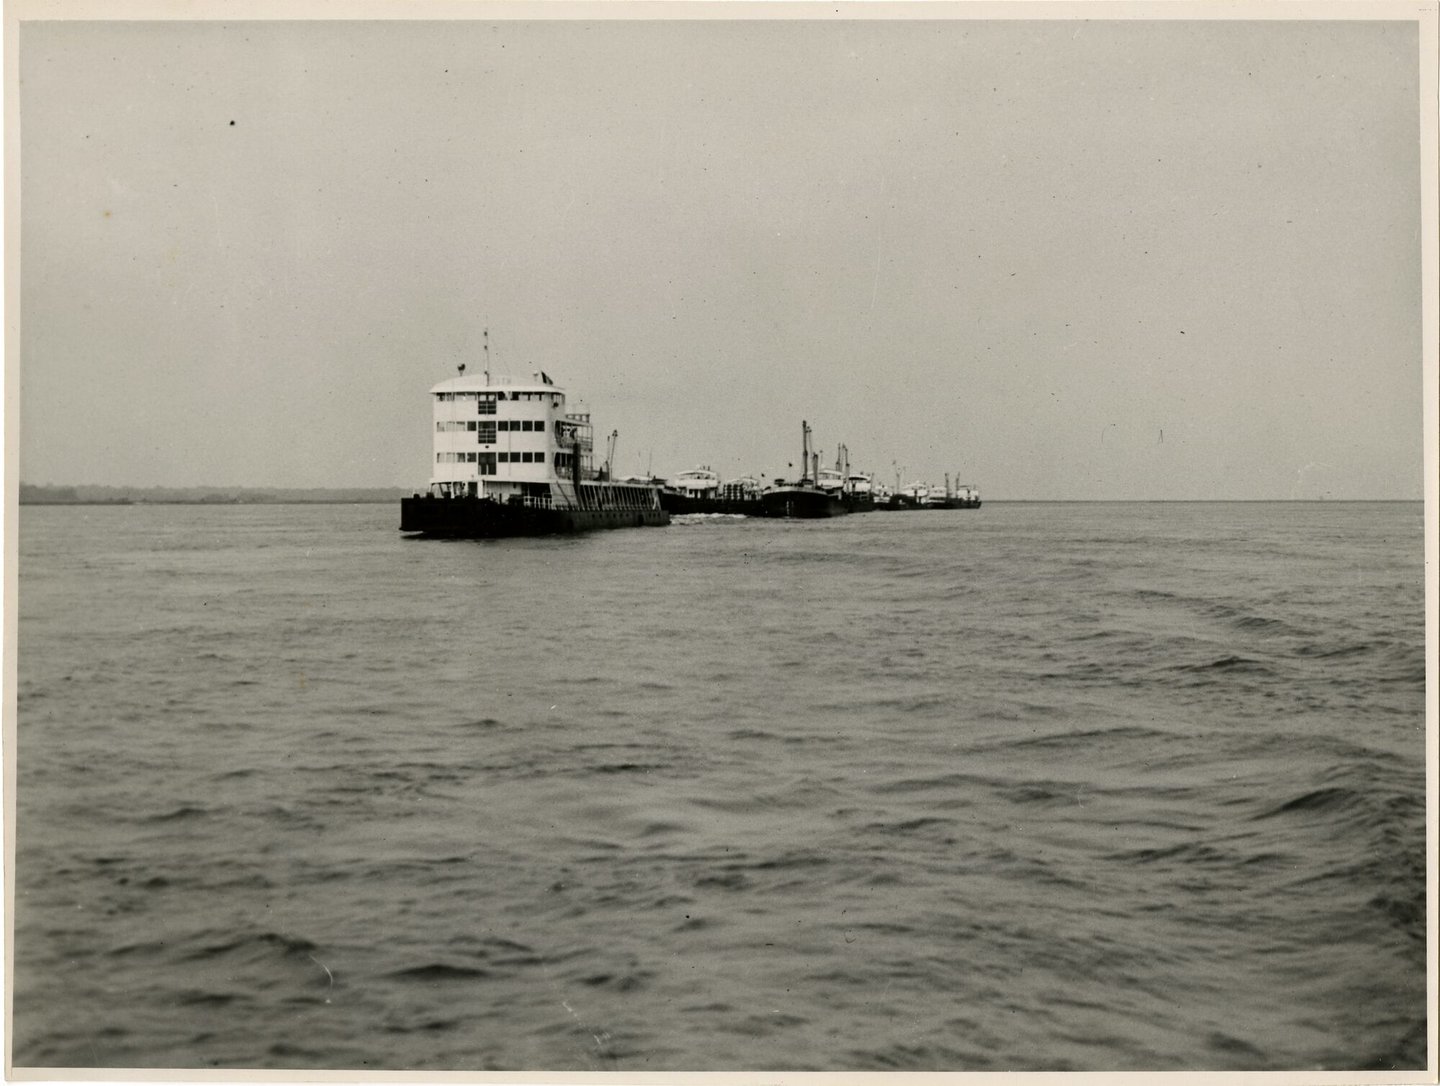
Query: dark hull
[[682, 505], [802, 502], [482, 518], [859, 503]]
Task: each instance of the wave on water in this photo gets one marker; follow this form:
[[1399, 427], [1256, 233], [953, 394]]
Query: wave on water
[[1021, 788]]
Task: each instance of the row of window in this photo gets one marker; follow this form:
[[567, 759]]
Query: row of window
[[527, 426], [539, 397], [490, 398], [485, 431], [488, 461]]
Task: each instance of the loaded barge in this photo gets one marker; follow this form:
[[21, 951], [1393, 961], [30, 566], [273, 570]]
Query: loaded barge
[[511, 460], [701, 491]]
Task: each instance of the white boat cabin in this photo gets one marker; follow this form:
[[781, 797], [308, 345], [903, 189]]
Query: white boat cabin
[[515, 440], [697, 483]]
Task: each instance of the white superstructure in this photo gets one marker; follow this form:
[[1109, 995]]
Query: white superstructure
[[697, 483], [504, 437]]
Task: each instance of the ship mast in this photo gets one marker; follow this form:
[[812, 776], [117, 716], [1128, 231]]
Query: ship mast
[[610, 455]]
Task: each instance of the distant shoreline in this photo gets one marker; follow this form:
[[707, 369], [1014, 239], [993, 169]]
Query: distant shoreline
[[206, 495], [212, 501], [103, 496]]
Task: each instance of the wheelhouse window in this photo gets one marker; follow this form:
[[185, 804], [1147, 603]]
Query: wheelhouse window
[[485, 404]]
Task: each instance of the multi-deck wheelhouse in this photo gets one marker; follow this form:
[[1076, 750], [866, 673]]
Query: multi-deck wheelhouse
[[504, 438]]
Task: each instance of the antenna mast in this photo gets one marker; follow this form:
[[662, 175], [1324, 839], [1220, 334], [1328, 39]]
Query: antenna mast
[[486, 338]]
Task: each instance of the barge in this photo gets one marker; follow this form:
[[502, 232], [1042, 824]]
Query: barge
[[510, 459], [738, 497]]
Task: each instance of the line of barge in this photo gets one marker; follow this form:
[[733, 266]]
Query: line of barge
[[512, 459]]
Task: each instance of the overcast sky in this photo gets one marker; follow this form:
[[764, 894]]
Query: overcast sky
[[1056, 259]]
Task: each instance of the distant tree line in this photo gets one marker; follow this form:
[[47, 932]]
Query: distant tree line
[[31, 494]]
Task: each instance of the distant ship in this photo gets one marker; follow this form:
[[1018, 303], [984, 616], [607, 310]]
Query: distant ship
[[959, 496], [511, 460], [804, 498], [854, 489], [857, 489], [914, 496], [925, 496], [701, 491], [700, 483]]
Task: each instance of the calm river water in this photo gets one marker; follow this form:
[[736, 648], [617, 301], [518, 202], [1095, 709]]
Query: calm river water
[[1070, 786]]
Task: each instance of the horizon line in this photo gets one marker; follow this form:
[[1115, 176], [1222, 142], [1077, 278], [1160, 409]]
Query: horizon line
[[403, 490]]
